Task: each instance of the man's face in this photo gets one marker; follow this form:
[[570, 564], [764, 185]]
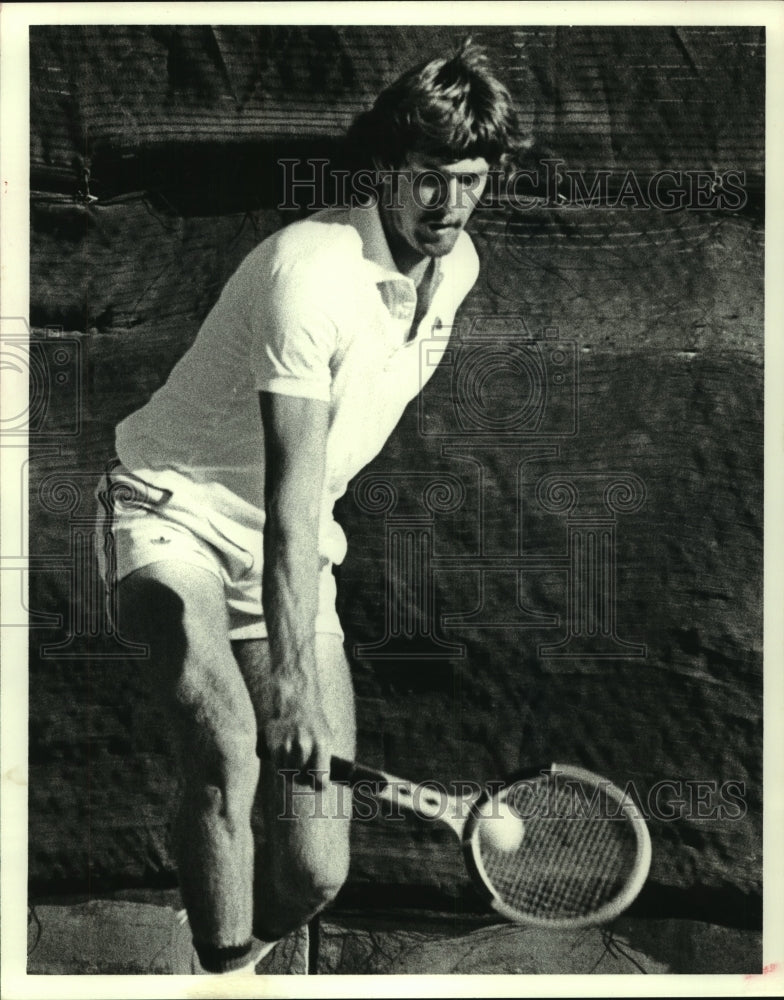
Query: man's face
[[425, 206]]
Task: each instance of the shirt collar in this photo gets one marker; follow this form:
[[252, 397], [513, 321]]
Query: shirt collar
[[367, 221]]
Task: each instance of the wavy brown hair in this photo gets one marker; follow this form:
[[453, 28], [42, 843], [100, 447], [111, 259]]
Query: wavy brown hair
[[447, 109]]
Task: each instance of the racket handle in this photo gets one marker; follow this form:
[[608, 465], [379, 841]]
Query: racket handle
[[425, 802], [354, 774]]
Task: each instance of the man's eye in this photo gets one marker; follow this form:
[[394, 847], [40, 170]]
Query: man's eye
[[431, 180]]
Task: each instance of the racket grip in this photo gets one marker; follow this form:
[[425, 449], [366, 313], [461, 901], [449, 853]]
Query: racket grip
[[354, 774], [417, 799]]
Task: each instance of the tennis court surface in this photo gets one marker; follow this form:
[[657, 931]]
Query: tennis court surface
[[111, 937]]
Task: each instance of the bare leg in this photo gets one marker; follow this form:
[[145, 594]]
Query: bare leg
[[179, 611], [302, 858]]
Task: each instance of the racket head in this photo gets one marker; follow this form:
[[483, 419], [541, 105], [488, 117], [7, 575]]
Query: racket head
[[583, 856]]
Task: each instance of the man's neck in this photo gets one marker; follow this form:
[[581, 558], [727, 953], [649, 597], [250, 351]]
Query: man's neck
[[410, 263], [418, 270]]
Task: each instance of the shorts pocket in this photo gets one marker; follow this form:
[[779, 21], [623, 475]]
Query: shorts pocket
[[125, 491]]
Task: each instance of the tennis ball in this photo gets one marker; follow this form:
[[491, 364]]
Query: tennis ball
[[502, 827]]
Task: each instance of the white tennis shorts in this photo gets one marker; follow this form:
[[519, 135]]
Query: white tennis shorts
[[149, 516]]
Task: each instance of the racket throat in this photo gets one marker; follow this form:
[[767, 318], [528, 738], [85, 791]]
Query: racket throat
[[426, 803]]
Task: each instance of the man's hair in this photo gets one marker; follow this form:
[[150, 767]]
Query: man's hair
[[447, 109]]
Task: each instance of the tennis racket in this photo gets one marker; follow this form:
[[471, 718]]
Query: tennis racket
[[579, 855]]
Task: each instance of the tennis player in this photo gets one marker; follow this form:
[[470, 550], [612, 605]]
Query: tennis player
[[218, 511]]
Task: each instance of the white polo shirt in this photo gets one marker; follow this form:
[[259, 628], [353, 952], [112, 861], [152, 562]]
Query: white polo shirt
[[317, 310]]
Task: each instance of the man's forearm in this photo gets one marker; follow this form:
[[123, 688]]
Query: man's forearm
[[290, 598], [295, 431], [296, 733]]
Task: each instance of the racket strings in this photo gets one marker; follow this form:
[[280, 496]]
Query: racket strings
[[586, 877], [586, 872], [574, 857]]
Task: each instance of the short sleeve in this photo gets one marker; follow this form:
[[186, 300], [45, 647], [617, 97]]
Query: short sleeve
[[294, 335]]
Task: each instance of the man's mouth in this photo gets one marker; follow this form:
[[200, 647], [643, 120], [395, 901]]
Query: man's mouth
[[441, 225]]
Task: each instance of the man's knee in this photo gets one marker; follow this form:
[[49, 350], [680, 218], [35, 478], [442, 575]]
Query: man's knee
[[326, 873], [296, 890]]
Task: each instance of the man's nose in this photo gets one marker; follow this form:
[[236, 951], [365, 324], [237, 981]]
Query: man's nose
[[452, 190], [440, 194], [446, 193]]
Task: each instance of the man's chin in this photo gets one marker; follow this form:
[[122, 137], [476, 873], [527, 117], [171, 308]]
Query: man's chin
[[437, 243]]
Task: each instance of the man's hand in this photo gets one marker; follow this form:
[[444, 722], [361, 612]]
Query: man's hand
[[297, 735]]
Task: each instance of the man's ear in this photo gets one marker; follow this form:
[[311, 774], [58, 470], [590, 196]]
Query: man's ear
[[384, 175]]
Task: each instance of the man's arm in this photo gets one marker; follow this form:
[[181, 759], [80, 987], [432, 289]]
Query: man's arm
[[295, 434]]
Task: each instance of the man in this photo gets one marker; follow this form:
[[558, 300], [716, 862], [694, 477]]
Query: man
[[219, 511]]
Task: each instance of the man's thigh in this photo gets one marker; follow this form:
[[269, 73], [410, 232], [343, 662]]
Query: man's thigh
[[179, 611]]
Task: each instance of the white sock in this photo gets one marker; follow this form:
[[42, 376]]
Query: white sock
[[258, 953], [260, 950]]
